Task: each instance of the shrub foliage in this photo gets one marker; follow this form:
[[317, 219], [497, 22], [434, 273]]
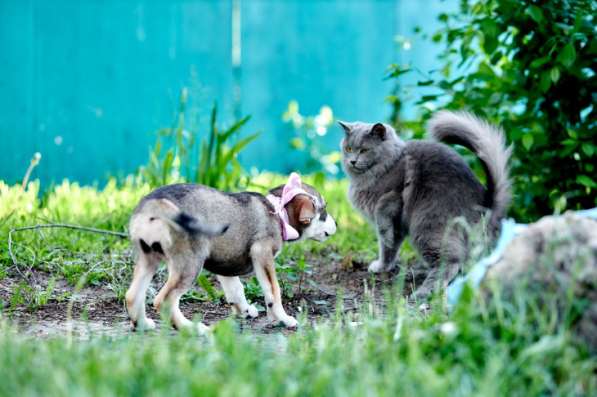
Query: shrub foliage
[[529, 66]]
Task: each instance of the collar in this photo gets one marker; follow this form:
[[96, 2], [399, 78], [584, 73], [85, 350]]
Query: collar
[[292, 188]]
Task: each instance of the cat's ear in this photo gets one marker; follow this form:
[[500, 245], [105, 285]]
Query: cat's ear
[[378, 130], [345, 126]]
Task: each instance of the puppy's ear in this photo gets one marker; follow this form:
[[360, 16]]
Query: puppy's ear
[[307, 213], [303, 209], [345, 126], [378, 130]]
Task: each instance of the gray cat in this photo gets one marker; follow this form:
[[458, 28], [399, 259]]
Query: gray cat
[[419, 187]]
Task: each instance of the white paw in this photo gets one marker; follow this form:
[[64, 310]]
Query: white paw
[[251, 312], [203, 329], [376, 266], [145, 324], [290, 322]]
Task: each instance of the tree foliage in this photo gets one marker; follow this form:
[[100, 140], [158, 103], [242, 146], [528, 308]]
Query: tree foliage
[[529, 66]]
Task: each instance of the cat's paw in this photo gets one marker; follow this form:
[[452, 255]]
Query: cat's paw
[[376, 266]]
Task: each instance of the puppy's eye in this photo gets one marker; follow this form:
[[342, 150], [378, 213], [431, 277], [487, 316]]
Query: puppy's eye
[[323, 215], [348, 149]]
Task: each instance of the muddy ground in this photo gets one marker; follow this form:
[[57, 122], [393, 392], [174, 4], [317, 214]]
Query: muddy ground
[[96, 309]]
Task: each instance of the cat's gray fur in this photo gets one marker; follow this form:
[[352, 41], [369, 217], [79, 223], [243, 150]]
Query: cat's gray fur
[[419, 187]]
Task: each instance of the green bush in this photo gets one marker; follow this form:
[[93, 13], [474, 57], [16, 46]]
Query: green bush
[[529, 66]]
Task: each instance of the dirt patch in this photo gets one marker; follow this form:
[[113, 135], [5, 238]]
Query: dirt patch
[[97, 310]]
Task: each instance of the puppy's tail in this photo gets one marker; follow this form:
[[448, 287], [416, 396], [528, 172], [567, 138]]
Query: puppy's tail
[[153, 223], [488, 143]]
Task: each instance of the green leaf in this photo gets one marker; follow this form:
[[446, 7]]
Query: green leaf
[[535, 13], [527, 141], [568, 55], [397, 71], [545, 82], [445, 85], [425, 83], [495, 58], [237, 148], [167, 166], [588, 148], [235, 127], [427, 98], [539, 62], [586, 181], [555, 74]]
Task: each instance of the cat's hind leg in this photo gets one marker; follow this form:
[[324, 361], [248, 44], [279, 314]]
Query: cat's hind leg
[[444, 256]]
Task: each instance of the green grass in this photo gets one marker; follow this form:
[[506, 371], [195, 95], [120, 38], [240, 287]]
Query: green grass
[[485, 347], [399, 354]]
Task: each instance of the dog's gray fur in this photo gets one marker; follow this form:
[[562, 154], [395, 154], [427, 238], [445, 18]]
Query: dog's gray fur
[[172, 223], [419, 187]]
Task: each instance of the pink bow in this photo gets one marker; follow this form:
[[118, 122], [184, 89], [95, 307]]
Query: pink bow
[[292, 188]]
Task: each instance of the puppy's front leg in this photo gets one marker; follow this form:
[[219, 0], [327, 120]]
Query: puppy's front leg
[[390, 232], [263, 262], [235, 296]]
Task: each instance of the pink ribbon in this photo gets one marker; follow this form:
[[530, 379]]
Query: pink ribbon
[[292, 188]]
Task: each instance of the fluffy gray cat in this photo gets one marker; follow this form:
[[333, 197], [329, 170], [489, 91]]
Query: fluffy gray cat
[[419, 187]]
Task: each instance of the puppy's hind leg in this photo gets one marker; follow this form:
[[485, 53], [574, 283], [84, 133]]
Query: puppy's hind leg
[[235, 296], [145, 267], [263, 262], [182, 272]]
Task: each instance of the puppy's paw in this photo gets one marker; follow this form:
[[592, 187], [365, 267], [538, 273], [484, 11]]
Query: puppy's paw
[[250, 312], [290, 322], [203, 329], [246, 311], [145, 324], [376, 266]]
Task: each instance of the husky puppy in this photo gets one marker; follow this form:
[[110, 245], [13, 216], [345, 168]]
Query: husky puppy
[[230, 234], [419, 187]]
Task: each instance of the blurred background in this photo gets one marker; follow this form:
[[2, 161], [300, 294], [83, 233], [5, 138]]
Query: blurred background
[[88, 84], [217, 92]]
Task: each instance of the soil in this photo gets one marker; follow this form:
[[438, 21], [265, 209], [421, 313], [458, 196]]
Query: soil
[[97, 310]]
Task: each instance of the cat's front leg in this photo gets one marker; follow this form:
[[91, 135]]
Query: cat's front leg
[[390, 232]]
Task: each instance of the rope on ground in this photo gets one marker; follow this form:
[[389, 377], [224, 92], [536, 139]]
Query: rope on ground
[[55, 225]]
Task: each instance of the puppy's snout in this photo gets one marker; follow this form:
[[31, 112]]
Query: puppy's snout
[[330, 227]]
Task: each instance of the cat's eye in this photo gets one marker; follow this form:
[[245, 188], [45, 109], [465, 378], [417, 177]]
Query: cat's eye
[[348, 149], [363, 150]]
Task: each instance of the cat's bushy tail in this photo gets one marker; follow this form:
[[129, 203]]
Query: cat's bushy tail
[[488, 143]]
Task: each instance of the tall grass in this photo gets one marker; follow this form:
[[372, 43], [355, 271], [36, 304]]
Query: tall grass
[[182, 154]]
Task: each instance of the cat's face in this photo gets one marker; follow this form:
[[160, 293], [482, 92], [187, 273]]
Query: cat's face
[[364, 146]]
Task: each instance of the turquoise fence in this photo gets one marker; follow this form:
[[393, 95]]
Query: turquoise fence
[[88, 83]]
